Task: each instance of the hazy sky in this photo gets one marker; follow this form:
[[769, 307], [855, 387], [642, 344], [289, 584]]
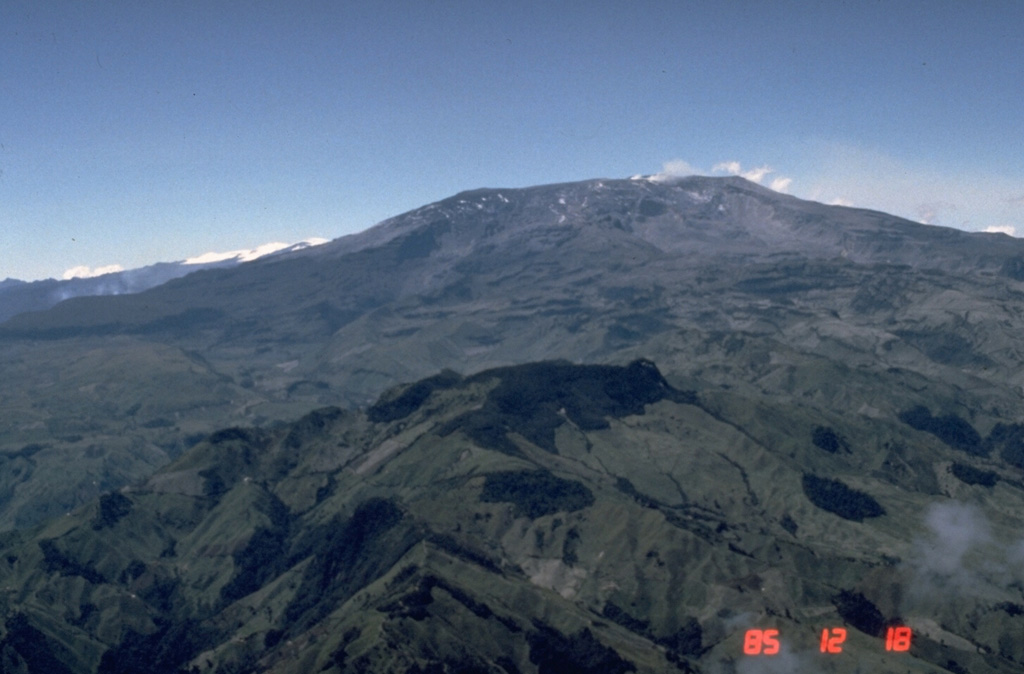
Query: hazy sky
[[137, 131]]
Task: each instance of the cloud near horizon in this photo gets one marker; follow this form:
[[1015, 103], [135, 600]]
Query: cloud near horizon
[[968, 198], [755, 175], [678, 168], [674, 168]]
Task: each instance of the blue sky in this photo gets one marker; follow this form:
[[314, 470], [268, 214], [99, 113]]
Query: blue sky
[[133, 132]]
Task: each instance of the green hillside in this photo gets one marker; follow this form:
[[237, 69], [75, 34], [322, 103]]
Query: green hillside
[[542, 518]]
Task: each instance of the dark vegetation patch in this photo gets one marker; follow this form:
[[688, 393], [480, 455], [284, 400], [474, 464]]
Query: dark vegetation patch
[[687, 640], [506, 664], [535, 399], [828, 440], [947, 348], [1012, 610], [479, 609], [974, 476], [86, 611], [26, 452], [394, 407], [54, 560], [858, 611], [331, 316], [835, 497], [162, 594], [231, 434], [771, 285], [165, 651], [617, 615], [949, 428], [535, 493], [556, 653], [485, 429], [262, 559], [1008, 439], [338, 656], [1013, 268], [569, 547], [39, 653], [213, 483], [131, 572], [272, 638], [310, 425], [456, 549], [788, 524], [651, 208], [421, 243], [954, 666], [235, 451], [159, 422], [627, 488], [306, 387], [113, 507], [633, 328], [347, 555], [325, 492], [414, 603], [796, 276], [185, 324]]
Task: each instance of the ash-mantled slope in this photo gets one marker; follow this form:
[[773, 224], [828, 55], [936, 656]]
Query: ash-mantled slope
[[842, 311], [542, 518]]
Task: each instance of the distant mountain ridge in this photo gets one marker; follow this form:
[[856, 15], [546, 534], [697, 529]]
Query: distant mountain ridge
[[20, 296]]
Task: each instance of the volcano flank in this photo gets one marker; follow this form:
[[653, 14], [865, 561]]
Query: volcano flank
[[605, 426]]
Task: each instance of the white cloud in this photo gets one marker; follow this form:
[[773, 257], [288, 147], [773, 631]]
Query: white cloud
[[732, 167], [755, 175], [929, 212], [87, 272], [678, 167], [949, 195], [1001, 229], [839, 201], [959, 556], [674, 168]]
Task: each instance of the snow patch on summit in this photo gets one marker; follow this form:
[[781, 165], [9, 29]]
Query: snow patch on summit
[[253, 253], [83, 271]]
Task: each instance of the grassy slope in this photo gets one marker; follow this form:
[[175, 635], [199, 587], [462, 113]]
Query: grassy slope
[[338, 543]]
